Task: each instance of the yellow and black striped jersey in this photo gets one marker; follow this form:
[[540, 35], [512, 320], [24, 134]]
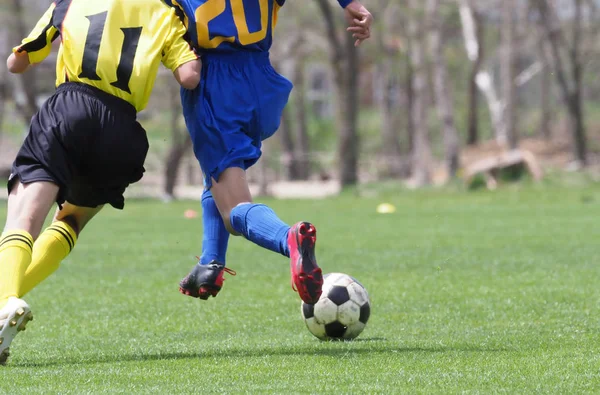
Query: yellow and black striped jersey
[[113, 45]]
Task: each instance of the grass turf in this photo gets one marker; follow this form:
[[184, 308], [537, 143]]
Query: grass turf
[[471, 292]]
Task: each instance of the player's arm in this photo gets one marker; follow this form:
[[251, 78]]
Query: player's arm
[[35, 47], [179, 57], [359, 20], [188, 74]]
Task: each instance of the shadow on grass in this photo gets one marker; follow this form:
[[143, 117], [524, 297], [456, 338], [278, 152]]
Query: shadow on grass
[[368, 339], [262, 352]]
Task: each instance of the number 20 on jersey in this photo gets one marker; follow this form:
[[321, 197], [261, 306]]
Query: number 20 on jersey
[[213, 8]]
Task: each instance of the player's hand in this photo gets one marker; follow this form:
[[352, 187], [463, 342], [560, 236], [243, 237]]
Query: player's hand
[[359, 21], [18, 62]]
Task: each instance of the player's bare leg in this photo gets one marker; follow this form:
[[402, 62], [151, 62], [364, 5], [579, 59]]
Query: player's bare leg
[[76, 216], [28, 206], [229, 192], [206, 280], [56, 242], [259, 224]]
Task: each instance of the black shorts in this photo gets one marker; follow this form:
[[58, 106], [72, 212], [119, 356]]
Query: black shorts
[[86, 141]]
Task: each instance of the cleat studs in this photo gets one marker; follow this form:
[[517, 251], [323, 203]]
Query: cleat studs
[[20, 312], [1, 340], [13, 323], [29, 317]]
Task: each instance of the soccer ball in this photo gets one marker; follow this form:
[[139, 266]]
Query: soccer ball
[[342, 311]]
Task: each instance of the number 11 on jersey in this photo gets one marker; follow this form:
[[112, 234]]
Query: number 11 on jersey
[[89, 63]]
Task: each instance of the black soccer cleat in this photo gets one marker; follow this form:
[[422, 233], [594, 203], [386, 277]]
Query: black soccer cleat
[[204, 280]]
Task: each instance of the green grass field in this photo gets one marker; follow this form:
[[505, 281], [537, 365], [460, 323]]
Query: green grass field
[[472, 292]]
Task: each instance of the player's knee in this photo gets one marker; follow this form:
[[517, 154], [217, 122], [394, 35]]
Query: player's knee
[[226, 215], [26, 221], [72, 221], [227, 221]]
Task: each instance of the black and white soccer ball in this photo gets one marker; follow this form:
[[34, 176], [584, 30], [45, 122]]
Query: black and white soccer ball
[[342, 311]]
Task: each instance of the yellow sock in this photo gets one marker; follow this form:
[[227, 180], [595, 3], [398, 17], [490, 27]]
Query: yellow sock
[[15, 256], [53, 245]]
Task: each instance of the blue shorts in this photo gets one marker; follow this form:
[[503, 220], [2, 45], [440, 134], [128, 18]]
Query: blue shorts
[[237, 105]]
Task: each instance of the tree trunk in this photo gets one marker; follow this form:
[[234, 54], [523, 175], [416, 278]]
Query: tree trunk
[[348, 115], [443, 97], [344, 63], [410, 100], [473, 35], [4, 48], [263, 169], [545, 96], [287, 146], [27, 81], [578, 126], [392, 152], [508, 73], [472, 32], [473, 106], [302, 148], [570, 85], [179, 145], [577, 108], [422, 149]]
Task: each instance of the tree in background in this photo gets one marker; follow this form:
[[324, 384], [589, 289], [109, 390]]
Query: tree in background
[[180, 143], [289, 57], [443, 97], [422, 156], [472, 27], [343, 59], [26, 83], [302, 146], [482, 78], [388, 46], [4, 89], [508, 73], [569, 73], [545, 91], [288, 154]]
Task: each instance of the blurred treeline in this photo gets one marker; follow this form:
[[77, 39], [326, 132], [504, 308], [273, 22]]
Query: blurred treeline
[[437, 79]]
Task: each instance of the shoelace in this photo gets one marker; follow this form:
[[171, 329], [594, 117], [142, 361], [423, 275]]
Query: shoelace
[[225, 269]]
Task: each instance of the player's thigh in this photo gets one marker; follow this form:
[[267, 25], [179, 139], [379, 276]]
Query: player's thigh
[[29, 204], [76, 216]]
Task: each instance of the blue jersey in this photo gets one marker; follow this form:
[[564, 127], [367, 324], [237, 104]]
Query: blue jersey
[[230, 25]]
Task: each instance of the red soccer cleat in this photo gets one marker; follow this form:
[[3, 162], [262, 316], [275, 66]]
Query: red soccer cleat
[[307, 278]]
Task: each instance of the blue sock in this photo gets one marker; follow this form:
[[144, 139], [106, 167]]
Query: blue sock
[[216, 236], [259, 224]]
